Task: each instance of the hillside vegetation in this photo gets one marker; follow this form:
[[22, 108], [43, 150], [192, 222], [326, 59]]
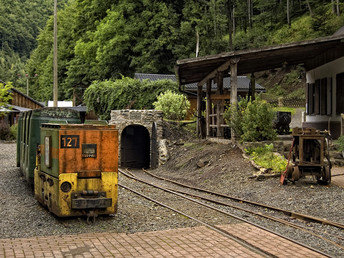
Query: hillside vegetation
[[105, 40], [20, 24]]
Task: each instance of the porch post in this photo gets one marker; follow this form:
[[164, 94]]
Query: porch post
[[220, 105], [234, 90], [253, 86], [199, 111], [208, 107]]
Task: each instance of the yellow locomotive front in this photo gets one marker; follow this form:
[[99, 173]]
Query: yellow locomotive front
[[77, 169]]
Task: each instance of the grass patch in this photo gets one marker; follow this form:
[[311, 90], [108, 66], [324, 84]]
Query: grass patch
[[264, 157]]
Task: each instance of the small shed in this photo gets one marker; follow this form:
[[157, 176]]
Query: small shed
[[19, 103], [312, 54], [190, 90]]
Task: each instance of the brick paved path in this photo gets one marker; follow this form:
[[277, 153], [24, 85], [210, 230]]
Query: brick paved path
[[186, 242]]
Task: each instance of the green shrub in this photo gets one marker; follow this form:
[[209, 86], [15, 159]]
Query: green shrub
[[235, 122], [340, 143], [253, 121], [257, 122], [173, 105], [125, 93], [14, 131], [264, 157]]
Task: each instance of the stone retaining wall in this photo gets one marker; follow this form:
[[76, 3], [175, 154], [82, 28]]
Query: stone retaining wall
[[146, 118]]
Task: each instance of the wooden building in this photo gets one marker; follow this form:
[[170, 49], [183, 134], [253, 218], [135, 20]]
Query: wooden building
[[322, 59], [19, 103], [191, 89]]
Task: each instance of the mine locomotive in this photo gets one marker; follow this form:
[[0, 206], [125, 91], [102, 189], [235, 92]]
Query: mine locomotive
[[75, 168]]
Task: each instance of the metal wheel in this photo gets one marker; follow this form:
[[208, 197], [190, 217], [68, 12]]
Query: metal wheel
[[325, 176], [296, 174]]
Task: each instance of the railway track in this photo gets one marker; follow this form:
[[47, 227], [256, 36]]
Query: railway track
[[196, 197]]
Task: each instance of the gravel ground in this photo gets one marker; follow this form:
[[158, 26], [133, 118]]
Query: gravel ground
[[225, 171], [22, 216]]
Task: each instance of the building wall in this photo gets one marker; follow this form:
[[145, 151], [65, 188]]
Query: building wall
[[22, 101], [325, 121]]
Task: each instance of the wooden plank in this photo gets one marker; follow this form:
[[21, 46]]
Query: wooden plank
[[234, 88], [220, 83], [220, 97], [218, 120], [208, 107], [199, 111], [212, 74]]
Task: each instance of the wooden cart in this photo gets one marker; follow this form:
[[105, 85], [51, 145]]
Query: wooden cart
[[309, 152]]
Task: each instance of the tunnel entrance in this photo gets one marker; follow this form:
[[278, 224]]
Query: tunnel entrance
[[135, 147]]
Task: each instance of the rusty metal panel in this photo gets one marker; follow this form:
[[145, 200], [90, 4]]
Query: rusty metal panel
[[79, 139]]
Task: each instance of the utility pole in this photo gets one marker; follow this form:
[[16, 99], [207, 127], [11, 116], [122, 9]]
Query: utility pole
[[55, 90]]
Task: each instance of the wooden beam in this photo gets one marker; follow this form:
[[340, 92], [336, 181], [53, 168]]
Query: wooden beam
[[220, 82], [234, 90], [253, 87], [212, 75], [199, 111], [208, 107]]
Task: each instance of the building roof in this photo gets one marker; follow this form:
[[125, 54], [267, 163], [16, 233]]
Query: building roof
[[243, 82], [311, 54], [155, 77]]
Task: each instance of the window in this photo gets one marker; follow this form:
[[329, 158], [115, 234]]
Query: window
[[340, 94], [319, 97], [47, 151]]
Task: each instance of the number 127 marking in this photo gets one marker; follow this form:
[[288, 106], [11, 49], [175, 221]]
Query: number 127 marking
[[70, 141]]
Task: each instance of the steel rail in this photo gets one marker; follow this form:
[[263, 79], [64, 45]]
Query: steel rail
[[223, 212], [287, 212], [282, 221], [240, 241]]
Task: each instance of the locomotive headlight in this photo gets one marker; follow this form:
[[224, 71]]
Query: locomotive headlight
[[47, 151]]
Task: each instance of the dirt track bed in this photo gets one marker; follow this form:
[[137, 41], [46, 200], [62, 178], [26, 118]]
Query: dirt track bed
[[225, 171]]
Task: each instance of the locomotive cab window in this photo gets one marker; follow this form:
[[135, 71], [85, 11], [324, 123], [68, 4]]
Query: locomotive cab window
[[89, 150], [47, 151]]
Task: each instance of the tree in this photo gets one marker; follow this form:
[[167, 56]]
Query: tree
[[5, 94]]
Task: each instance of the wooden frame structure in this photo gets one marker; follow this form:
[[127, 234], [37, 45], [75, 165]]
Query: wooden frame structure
[[203, 70]]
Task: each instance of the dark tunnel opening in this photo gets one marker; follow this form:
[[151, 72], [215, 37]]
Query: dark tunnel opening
[[135, 147]]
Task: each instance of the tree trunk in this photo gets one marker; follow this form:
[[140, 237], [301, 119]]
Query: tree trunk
[[233, 17], [215, 23], [197, 42], [230, 24], [288, 13], [309, 8], [333, 6], [249, 13], [338, 11]]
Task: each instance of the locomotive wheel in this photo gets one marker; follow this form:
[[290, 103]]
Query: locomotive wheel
[[296, 174]]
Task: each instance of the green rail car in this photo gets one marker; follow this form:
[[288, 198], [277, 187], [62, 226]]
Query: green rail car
[[29, 134]]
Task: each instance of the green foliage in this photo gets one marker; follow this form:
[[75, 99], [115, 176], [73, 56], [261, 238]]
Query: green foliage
[[253, 121], [340, 142], [14, 131], [257, 122], [173, 105], [5, 133], [264, 157], [103, 40], [125, 93], [234, 117], [5, 94]]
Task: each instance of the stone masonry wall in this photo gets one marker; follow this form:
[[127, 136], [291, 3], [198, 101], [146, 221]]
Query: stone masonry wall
[[126, 117]]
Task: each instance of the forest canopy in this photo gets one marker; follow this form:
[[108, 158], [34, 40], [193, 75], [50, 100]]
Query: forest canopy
[[105, 40]]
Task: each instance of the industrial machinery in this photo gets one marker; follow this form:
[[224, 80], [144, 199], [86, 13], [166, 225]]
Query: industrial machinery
[[310, 156], [75, 169]]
